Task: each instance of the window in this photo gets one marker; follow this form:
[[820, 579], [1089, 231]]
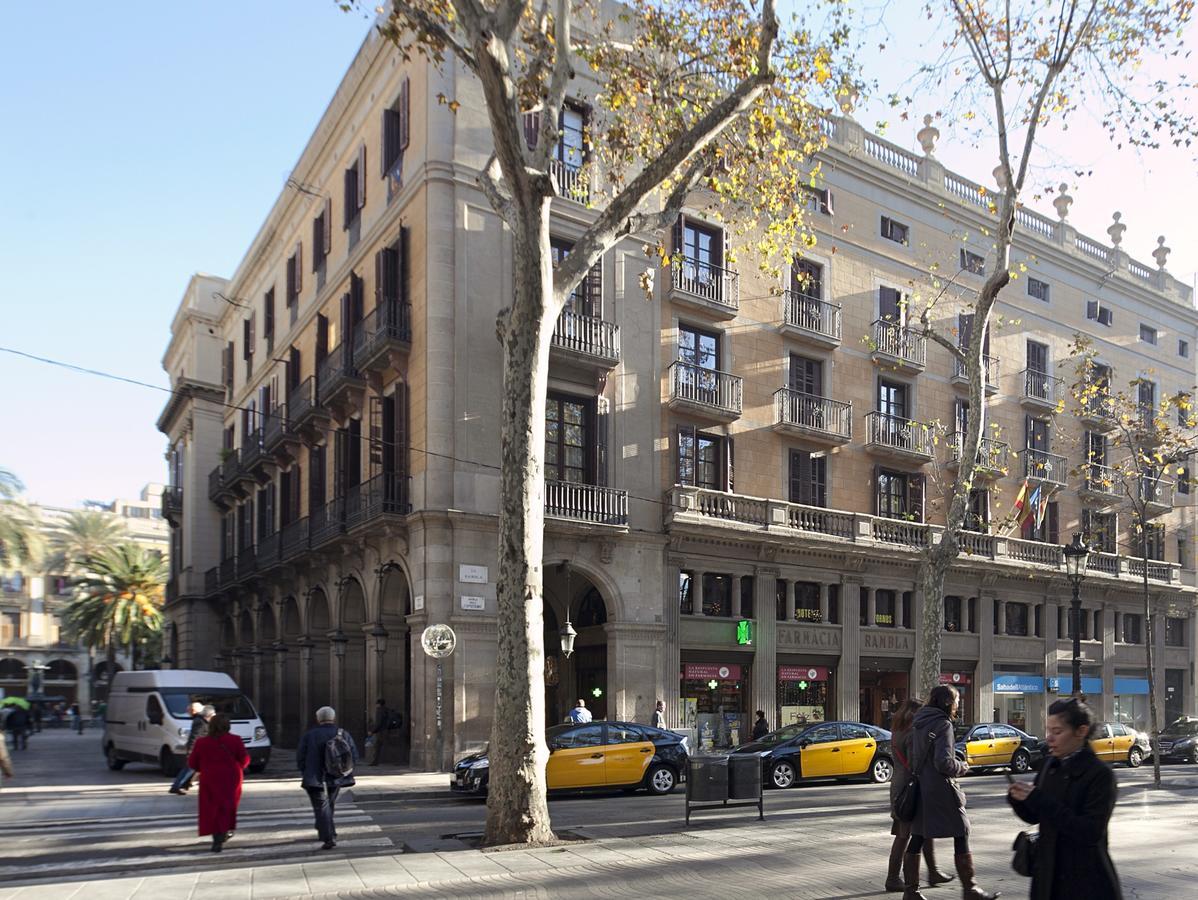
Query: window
[[586, 736], [587, 298], [807, 279], [746, 596], [808, 478], [952, 614], [895, 231], [568, 439], [1183, 480], [807, 602], [10, 627], [977, 518], [686, 599], [1100, 530], [1099, 313], [1146, 400], [973, 262], [1017, 619], [268, 320], [247, 346], [704, 460], [1038, 289], [1147, 334], [1132, 628], [1047, 530], [355, 188], [1183, 348], [1084, 621], [818, 199], [885, 604], [899, 495], [1175, 632], [396, 133], [571, 139], [701, 247], [1155, 534], [717, 595]]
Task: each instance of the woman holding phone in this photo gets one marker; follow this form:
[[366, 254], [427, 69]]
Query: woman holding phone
[[1071, 800]]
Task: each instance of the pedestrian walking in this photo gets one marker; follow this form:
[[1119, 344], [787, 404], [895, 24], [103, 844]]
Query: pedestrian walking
[[900, 743], [17, 724], [760, 727], [5, 759], [659, 715], [376, 734], [579, 715], [1071, 800], [941, 808], [76, 718], [221, 759], [326, 757], [201, 715]]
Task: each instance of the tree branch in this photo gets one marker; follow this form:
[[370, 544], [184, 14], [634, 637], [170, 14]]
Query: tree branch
[[423, 21], [657, 221], [674, 157], [555, 97], [488, 180]]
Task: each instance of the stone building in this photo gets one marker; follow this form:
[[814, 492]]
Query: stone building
[[729, 450]]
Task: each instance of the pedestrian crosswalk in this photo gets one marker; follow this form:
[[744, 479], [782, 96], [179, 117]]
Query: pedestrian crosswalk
[[139, 840]]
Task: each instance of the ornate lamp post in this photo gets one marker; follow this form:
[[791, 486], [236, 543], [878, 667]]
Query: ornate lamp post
[[1076, 556], [567, 632], [338, 641]]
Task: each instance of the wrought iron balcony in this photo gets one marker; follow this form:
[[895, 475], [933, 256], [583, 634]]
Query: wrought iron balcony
[[587, 340], [1097, 412], [1157, 494], [337, 375], [991, 458], [304, 410], [898, 437], [1101, 482], [247, 562], [268, 551], [327, 522], [705, 392], [384, 336], [588, 503], [253, 455], [989, 374], [383, 496], [898, 346], [228, 571], [172, 503], [278, 432], [295, 539], [1040, 465], [811, 319], [818, 418], [212, 581], [707, 288], [1041, 390]]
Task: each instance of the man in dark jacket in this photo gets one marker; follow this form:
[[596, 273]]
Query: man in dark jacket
[[1072, 801], [761, 727], [17, 724], [200, 714], [322, 787]]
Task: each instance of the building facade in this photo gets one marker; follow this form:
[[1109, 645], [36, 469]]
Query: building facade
[[740, 472]]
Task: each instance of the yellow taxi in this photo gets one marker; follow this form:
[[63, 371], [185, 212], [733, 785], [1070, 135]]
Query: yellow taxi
[[1115, 742], [824, 750], [996, 746]]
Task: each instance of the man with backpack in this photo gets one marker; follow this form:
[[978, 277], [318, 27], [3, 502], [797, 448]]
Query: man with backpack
[[326, 758]]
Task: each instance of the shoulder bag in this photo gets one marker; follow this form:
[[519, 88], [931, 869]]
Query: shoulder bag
[[906, 804], [1024, 860]]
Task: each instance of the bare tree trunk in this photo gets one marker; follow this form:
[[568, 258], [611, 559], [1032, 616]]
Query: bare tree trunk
[[1150, 646], [517, 810]]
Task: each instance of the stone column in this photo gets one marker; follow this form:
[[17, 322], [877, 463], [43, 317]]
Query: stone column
[[1002, 617], [765, 659], [871, 607], [305, 686], [1108, 662], [823, 602], [697, 592], [790, 600], [736, 586], [983, 678], [848, 673], [671, 659], [280, 663], [1117, 625]]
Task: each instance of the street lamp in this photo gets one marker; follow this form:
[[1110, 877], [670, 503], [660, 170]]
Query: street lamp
[[306, 647], [380, 635], [1076, 556], [338, 640], [567, 633]]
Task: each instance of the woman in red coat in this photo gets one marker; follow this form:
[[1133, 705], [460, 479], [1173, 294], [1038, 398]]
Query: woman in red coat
[[220, 758]]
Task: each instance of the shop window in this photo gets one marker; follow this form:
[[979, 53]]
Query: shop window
[[746, 597], [1132, 628], [1175, 632], [834, 604], [952, 614], [686, 603], [1017, 619], [717, 595], [807, 602], [885, 603], [802, 699]]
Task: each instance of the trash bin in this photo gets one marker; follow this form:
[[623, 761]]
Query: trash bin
[[707, 779], [744, 776]]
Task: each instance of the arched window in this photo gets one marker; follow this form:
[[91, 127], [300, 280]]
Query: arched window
[[61, 670], [12, 670], [592, 610]]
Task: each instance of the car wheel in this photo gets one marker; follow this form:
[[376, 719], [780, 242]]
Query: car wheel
[[1020, 762], [257, 768], [881, 771], [783, 775], [660, 780], [114, 762], [167, 763], [1135, 756]]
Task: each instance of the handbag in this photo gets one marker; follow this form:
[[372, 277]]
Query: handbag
[[906, 803], [1024, 860]]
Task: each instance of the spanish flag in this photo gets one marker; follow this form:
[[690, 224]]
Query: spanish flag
[[1021, 501], [1031, 509]]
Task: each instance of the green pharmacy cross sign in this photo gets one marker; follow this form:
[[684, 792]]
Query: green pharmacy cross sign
[[713, 684], [597, 692], [744, 631]]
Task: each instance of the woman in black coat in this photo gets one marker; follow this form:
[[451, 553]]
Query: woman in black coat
[[1072, 801], [941, 809], [900, 742]]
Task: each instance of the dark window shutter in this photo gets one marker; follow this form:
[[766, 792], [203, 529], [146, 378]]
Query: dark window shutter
[[602, 417], [404, 264], [405, 114], [915, 497], [322, 338], [247, 339], [340, 458], [679, 233], [296, 481], [315, 479], [378, 281], [402, 443], [819, 481], [357, 298], [290, 286], [1091, 309], [299, 267], [1054, 536], [268, 313], [594, 289], [317, 243], [346, 321], [390, 133], [375, 445], [800, 476], [361, 175], [293, 370], [532, 128], [730, 455], [326, 231]]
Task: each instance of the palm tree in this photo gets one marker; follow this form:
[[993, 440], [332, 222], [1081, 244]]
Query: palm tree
[[21, 540], [83, 535], [118, 601]]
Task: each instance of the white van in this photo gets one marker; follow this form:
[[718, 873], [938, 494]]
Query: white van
[[148, 719]]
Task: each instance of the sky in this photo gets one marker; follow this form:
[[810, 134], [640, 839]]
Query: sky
[[142, 142]]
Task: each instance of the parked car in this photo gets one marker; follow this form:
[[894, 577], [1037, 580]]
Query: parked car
[[997, 746], [824, 750], [148, 720], [1179, 741], [592, 756], [1115, 742]]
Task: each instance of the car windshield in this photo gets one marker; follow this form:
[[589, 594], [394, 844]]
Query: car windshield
[[1183, 726], [782, 734], [232, 703]]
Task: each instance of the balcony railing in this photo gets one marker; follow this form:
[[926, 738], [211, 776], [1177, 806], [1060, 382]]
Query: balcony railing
[[992, 454], [1156, 491], [268, 551], [692, 507], [586, 503], [337, 372], [251, 450], [212, 580], [715, 285], [228, 571], [302, 404], [1098, 410], [811, 317], [278, 429], [587, 337], [327, 522], [386, 327], [705, 390], [230, 468], [1040, 465], [215, 486], [570, 180], [899, 434], [899, 345], [385, 494], [172, 503], [989, 373], [1041, 389], [295, 539], [811, 414], [247, 562], [1104, 481]]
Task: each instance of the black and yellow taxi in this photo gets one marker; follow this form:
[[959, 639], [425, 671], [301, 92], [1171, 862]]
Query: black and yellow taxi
[[592, 756], [1115, 742], [997, 746], [823, 750]]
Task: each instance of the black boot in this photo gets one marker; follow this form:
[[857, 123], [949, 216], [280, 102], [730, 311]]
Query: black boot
[[935, 876], [894, 881], [217, 842], [911, 877], [969, 884]]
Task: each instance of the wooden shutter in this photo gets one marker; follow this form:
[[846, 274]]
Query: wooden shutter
[[532, 128], [246, 340], [285, 506], [387, 436], [1053, 523], [800, 476], [290, 286], [322, 338], [819, 481], [602, 415], [1037, 356], [593, 283], [889, 307], [1091, 309], [340, 439], [403, 431], [405, 114], [915, 496], [390, 131], [317, 243], [357, 298], [296, 481], [293, 370], [268, 313], [679, 233], [730, 458], [315, 479], [375, 451], [361, 175], [404, 262], [326, 232], [299, 267]]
